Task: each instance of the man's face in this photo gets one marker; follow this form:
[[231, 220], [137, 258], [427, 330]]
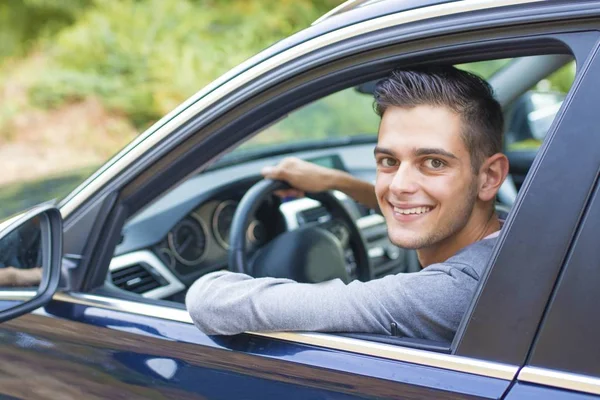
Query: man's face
[[425, 186]]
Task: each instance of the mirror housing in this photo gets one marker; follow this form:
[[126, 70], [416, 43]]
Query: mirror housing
[[50, 237]]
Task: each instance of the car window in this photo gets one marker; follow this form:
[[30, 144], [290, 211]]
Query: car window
[[347, 113], [184, 234], [342, 114], [529, 117]]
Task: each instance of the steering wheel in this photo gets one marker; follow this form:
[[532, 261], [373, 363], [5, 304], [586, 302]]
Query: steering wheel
[[308, 254]]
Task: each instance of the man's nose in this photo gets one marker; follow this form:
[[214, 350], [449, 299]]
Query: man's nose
[[405, 180]]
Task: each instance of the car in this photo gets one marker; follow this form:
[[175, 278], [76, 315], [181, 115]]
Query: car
[[118, 253]]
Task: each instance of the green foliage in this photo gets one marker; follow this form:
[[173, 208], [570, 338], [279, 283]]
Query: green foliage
[[145, 57], [141, 58], [23, 22], [485, 69], [562, 79]]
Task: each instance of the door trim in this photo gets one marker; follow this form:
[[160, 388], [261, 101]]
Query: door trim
[[559, 379], [329, 341]]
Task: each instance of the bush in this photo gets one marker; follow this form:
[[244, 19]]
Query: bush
[[145, 57], [23, 22]]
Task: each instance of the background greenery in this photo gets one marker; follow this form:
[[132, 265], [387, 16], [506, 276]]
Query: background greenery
[[96, 73], [80, 78], [143, 57]]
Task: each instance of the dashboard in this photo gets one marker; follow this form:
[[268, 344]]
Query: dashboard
[[185, 233]]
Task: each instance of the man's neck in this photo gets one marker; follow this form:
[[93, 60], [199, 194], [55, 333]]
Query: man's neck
[[476, 229]]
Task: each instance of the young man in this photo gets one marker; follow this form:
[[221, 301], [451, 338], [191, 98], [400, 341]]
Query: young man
[[439, 168]]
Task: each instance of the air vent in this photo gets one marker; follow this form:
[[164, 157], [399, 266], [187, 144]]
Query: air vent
[[317, 214], [136, 278]]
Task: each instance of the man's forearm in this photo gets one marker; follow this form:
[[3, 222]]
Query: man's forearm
[[361, 191], [227, 303], [11, 276]]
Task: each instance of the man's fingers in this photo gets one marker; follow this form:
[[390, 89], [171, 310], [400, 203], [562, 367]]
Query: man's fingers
[[272, 172], [289, 193]]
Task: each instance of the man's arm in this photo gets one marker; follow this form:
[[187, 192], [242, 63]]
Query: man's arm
[[308, 177], [428, 304], [11, 276]]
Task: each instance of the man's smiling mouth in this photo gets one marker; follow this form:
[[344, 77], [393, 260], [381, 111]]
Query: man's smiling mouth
[[412, 211]]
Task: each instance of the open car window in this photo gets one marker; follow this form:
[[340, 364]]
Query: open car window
[[345, 115], [184, 234]]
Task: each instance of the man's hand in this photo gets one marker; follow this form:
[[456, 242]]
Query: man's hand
[[303, 176], [11, 276]]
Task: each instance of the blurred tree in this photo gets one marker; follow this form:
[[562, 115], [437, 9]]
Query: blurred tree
[[22, 22], [144, 57]]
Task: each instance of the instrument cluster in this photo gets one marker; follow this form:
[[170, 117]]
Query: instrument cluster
[[200, 241]]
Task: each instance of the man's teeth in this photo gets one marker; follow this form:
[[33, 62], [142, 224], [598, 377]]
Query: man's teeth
[[416, 210]]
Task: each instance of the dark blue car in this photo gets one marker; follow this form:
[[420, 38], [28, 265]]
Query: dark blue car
[[91, 291]]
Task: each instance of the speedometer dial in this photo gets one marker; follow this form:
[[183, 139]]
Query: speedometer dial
[[221, 222], [187, 240]]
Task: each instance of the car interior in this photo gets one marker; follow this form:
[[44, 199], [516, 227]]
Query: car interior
[[226, 216]]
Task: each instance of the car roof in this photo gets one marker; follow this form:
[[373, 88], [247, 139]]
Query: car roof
[[353, 13], [367, 9]]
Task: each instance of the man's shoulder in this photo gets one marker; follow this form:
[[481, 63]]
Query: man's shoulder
[[475, 256]]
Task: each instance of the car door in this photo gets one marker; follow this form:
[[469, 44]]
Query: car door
[[86, 343], [564, 360]]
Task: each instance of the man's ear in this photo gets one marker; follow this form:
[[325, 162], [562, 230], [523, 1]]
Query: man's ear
[[491, 175]]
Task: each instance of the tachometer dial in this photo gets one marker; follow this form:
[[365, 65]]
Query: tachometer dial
[[221, 222], [187, 240]]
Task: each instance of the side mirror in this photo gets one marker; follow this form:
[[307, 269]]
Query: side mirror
[[30, 260]]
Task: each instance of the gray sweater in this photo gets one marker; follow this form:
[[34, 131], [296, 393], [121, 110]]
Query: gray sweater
[[426, 304]]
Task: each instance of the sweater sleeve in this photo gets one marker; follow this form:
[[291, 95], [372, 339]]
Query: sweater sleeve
[[427, 304]]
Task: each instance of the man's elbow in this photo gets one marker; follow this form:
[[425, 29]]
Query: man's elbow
[[209, 321], [206, 313]]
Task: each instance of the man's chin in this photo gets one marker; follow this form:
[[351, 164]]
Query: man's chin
[[412, 240]]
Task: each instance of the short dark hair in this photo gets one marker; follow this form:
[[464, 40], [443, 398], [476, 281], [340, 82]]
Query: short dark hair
[[463, 92]]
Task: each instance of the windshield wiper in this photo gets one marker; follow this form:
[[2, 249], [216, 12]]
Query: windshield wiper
[[238, 157]]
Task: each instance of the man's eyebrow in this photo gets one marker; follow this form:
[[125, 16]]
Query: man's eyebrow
[[383, 150], [433, 151]]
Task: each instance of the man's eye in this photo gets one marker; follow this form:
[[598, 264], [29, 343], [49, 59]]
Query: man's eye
[[387, 162], [434, 163]]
